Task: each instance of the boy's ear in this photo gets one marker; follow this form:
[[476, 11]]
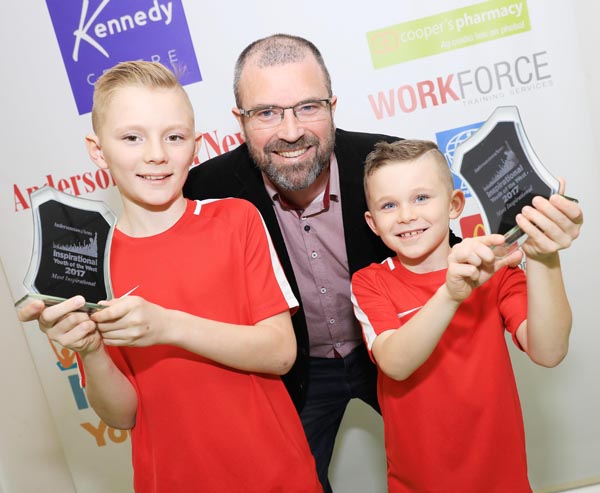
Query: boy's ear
[[457, 203], [371, 223], [94, 149]]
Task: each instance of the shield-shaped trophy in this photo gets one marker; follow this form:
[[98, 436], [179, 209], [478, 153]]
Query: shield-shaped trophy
[[503, 172], [71, 246]]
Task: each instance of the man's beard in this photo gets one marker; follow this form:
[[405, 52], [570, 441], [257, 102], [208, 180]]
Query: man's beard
[[298, 176]]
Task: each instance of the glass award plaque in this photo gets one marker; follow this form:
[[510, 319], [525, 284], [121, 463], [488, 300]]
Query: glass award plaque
[[503, 172], [71, 247]]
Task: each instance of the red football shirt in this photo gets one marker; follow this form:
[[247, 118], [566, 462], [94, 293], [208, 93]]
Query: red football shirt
[[201, 426], [455, 424]]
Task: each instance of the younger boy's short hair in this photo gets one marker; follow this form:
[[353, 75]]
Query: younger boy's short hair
[[151, 75], [401, 151]]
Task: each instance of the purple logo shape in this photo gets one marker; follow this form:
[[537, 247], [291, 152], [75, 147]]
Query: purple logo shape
[[95, 35]]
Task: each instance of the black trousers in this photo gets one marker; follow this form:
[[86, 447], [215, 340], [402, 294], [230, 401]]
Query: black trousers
[[332, 383]]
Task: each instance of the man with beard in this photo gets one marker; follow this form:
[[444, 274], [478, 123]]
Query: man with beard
[[305, 177]]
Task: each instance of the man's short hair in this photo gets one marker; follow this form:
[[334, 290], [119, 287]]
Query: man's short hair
[[277, 49]]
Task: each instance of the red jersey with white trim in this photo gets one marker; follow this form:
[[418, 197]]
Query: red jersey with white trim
[[201, 426], [455, 425]]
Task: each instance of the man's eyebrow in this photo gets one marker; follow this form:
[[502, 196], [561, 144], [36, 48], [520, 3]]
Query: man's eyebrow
[[266, 106]]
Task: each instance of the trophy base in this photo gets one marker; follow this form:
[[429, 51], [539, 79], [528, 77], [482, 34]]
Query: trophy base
[[513, 239], [55, 300]]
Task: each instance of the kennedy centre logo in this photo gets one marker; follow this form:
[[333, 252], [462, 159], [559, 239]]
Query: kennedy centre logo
[[94, 35]]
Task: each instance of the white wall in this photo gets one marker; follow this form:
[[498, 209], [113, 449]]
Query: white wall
[[27, 432]]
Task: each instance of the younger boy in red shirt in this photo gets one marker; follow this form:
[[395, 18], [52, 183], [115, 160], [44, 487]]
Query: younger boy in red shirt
[[434, 319]]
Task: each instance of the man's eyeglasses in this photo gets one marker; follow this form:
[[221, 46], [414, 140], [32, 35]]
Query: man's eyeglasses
[[271, 116]]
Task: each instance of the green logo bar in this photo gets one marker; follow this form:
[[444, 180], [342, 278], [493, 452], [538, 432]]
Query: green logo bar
[[448, 31]]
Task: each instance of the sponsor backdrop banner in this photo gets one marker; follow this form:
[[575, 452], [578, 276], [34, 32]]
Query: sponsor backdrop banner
[[433, 70], [93, 35]]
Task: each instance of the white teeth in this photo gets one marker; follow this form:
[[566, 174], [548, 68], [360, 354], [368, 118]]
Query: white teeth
[[410, 233], [152, 177], [288, 154]]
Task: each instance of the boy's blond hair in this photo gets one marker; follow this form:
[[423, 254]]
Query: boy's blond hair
[[402, 151], [150, 75]]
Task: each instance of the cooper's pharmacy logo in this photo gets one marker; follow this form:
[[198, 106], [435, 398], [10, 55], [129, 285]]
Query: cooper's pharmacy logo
[[94, 35]]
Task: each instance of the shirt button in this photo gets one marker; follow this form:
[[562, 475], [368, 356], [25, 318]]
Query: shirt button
[[331, 321], [323, 290], [314, 255], [307, 228]]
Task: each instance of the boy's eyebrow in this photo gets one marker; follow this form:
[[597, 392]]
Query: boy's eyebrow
[[137, 126], [419, 189], [383, 198]]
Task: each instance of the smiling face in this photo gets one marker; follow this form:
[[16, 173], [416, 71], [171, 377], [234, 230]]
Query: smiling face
[[146, 139], [410, 206], [292, 154]]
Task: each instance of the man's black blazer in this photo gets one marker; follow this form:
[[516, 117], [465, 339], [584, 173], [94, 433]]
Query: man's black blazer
[[234, 174]]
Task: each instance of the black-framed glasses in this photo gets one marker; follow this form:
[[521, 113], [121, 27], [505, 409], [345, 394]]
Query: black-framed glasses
[[312, 110]]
